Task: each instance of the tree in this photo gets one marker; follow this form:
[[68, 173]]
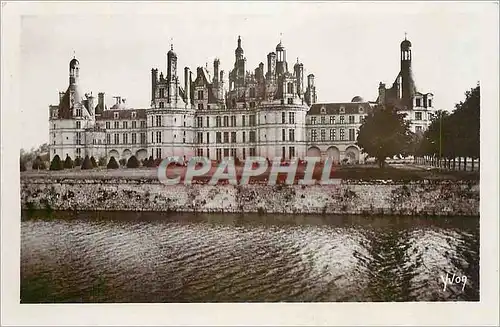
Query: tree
[[93, 162], [102, 161], [22, 165], [38, 163], [56, 163], [87, 164], [384, 133], [78, 162], [68, 163], [112, 164], [133, 162]]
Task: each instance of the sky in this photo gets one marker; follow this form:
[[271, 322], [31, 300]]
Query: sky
[[349, 47]]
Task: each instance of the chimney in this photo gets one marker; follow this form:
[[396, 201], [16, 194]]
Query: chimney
[[216, 69], [100, 103], [154, 81], [61, 95], [187, 85]]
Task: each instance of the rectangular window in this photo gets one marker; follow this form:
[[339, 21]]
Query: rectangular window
[[217, 121], [226, 121], [226, 153], [117, 125], [291, 117], [244, 154], [351, 119], [208, 137], [418, 116], [243, 120], [125, 138], [233, 121], [283, 138], [199, 121], [125, 124], [218, 137], [200, 137], [341, 134], [291, 152], [341, 119], [290, 100], [283, 117], [158, 121], [108, 138], [134, 124], [323, 120], [323, 135], [430, 103], [143, 138], [108, 125], [233, 137], [252, 136], [134, 138], [252, 152], [158, 137], [313, 120], [162, 92], [332, 135], [200, 95], [78, 138], [332, 120], [226, 137], [158, 153], [200, 106], [208, 153], [283, 152], [243, 139], [219, 154], [417, 102], [233, 152], [78, 124], [351, 134], [314, 135], [208, 121], [162, 104], [143, 124], [291, 135], [117, 139]]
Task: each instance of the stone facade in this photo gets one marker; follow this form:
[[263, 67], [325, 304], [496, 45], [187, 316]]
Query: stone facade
[[269, 113], [350, 197]]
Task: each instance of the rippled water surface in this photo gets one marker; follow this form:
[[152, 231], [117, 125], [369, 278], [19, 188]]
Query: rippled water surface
[[152, 257]]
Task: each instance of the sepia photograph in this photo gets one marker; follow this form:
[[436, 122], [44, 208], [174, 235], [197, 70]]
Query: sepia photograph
[[244, 153]]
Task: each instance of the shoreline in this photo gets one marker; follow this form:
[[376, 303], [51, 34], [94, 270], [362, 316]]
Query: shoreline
[[350, 197]]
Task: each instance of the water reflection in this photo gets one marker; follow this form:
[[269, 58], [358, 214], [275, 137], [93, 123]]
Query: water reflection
[[151, 257]]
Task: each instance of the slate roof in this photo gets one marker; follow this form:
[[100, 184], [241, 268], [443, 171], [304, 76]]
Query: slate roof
[[122, 114], [350, 108]]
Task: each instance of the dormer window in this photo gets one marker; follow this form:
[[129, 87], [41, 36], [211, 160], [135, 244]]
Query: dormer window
[[417, 103], [342, 110], [116, 115], [361, 110], [323, 110], [133, 115]]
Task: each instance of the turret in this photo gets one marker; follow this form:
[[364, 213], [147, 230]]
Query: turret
[[216, 70], [281, 65], [100, 103], [407, 84], [271, 65], [299, 75], [311, 90]]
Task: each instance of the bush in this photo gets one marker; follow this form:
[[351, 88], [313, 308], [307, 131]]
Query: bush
[[68, 163], [122, 162], [112, 164], [78, 162], [38, 163], [150, 162], [157, 162], [133, 162], [56, 163], [22, 165], [93, 162], [87, 164], [102, 161]]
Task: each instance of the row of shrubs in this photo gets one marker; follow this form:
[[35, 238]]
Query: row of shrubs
[[90, 163]]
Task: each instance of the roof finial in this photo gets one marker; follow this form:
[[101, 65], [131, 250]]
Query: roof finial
[[73, 54], [172, 44], [281, 36], [405, 35], [297, 59]]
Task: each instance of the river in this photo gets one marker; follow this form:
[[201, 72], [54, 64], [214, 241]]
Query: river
[[151, 257]]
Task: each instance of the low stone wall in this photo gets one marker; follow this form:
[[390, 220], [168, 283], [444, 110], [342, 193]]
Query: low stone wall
[[350, 197]]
